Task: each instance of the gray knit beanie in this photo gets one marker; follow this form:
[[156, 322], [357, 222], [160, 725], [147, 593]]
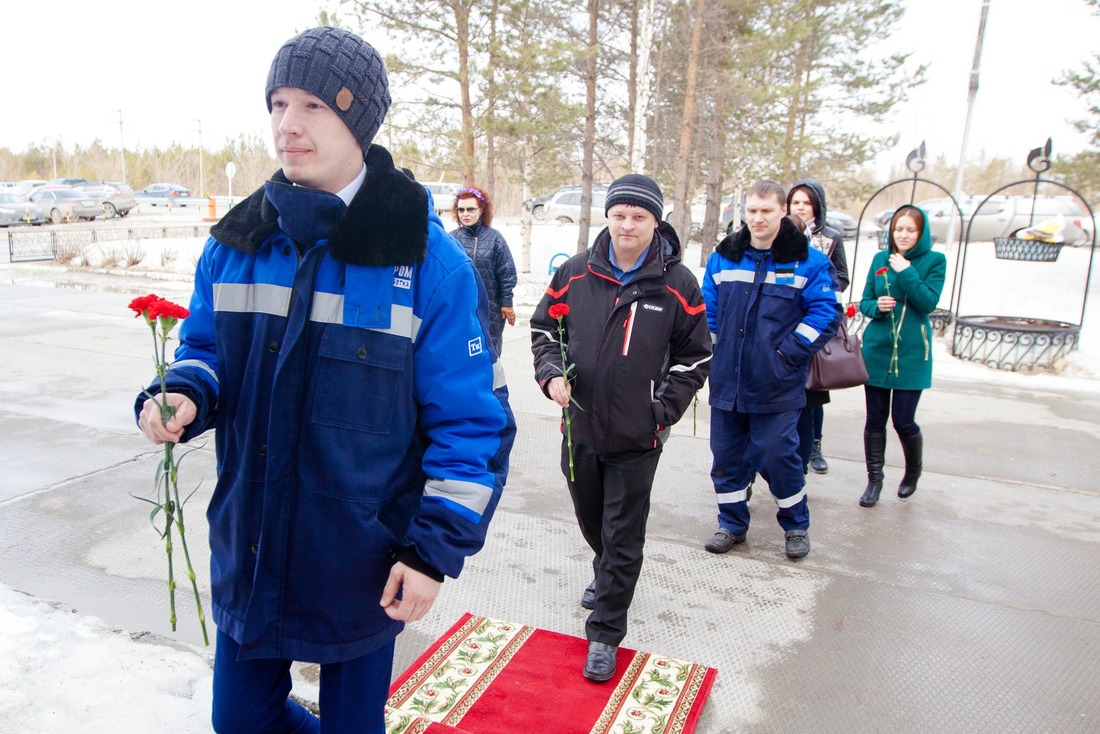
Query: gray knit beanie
[[636, 189], [342, 70]]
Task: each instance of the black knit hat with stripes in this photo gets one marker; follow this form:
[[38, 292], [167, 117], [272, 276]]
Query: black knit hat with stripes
[[342, 70], [636, 189]]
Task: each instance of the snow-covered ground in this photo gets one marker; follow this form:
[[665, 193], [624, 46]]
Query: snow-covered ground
[[62, 672]]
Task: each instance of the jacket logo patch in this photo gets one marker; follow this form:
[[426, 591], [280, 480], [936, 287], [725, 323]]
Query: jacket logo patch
[[402, 276], [474, 345], [651, 307]]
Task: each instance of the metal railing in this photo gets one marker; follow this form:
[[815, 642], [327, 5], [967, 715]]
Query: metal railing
[[30, 244]]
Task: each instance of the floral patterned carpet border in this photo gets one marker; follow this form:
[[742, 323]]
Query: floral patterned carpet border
[[485, 676]]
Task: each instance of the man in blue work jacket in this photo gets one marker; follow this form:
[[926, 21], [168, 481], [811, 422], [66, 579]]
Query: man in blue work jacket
[[770, 306], [338, 342]]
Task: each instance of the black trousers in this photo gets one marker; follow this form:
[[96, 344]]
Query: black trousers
[[611, 500]]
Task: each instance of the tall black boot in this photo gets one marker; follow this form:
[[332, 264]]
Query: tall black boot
[[913, 448], [874, 449]]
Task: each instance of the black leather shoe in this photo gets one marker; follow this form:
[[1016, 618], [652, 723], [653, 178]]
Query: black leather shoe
[[588, 598], [723, 540], [600, 665], [798, 544]]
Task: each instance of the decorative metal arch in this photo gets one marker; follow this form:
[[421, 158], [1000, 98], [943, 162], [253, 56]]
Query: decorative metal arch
[[1012, 342]]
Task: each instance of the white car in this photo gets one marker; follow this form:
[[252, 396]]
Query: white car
[[443, 194]]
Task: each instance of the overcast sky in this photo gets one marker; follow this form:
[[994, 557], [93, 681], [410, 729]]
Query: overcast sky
[[168, 66]]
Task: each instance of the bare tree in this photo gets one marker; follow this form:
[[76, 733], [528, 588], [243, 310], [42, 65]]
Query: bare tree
[[591, 53], [681, 214]]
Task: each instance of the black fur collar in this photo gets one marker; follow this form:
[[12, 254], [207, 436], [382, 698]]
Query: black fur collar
[[790, 245], [390, 229]]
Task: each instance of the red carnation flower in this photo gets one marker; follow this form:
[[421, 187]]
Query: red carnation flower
[[167, 309], [850, 311], [881, 271], [141, 303], [559, 310]]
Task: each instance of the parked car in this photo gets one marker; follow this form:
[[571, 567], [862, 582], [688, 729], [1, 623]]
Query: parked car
[[115, 198], [28, 185], [538, 203], [565, 206], [843, 223], [882, 219], [164, 194], [68, 181], [443, 196], [699, 212], [17, 209], [1000, 216], [65, 204]]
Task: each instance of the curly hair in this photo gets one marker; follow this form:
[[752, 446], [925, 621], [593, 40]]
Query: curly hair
[[473, 192]]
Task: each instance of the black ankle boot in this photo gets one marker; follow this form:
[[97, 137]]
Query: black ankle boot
[[874, 449], [913, 448]]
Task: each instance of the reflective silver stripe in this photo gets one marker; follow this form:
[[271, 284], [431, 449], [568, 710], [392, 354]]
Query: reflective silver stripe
[[792, 500], [252, 298], [807, 331], [499, 379], [688, 367], [194, 363], [474, 497], [839, 297], [734, 276], [748, 276], [713, 337], [403, 322], [328, 308], [729, 498]]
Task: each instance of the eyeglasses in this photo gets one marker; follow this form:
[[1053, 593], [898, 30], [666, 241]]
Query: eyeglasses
[[464, 209]]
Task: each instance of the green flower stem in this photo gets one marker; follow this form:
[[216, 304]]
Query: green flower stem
[[565, 410], [171, 503]]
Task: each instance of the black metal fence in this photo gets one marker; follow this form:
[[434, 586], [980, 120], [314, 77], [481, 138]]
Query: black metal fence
[[27, 244]]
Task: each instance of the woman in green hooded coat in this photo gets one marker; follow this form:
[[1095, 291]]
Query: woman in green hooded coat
[[903, 288]]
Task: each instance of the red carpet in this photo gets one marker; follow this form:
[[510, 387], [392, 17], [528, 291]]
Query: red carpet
[[489, 677]]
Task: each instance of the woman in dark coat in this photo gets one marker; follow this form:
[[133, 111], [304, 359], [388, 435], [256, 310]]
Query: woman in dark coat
[[903, 288], [473, 210], [807, 200]]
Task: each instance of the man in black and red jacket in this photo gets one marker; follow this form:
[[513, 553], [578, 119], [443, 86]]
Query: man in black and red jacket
[[637, 349]]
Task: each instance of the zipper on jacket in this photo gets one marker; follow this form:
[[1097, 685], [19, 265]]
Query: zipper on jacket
[[628, 327]]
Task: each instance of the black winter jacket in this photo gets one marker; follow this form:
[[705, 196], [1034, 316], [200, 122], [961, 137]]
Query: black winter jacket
[[641, 350], [493, 261]]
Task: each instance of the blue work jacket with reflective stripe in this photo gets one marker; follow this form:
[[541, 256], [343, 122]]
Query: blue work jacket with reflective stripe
[[768, 312], [360, 415]]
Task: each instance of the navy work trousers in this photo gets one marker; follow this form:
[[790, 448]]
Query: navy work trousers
[[250, 696], [766, 442]]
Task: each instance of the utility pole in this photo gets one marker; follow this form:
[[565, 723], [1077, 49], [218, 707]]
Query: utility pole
[[202, 191], [971, 96], [121, 146]]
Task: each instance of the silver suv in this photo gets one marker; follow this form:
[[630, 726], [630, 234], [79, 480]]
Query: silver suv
[[1003, 215], [443, 195], [565, 206]]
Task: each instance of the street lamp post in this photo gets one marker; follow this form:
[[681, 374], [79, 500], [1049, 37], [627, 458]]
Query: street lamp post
[[202, 190], [972, 94], [121, 146]]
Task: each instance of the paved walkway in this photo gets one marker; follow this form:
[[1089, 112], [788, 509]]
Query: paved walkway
[[973, 606]]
